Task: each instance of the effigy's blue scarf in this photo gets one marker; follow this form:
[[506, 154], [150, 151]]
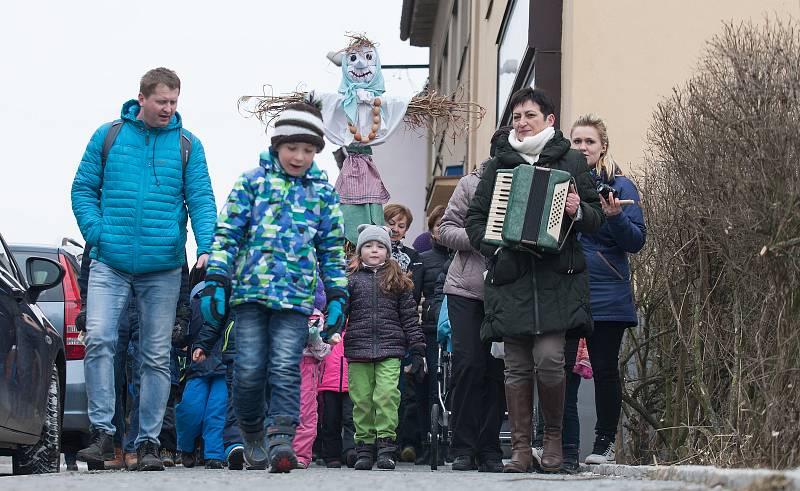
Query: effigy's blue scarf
[[348, 88]]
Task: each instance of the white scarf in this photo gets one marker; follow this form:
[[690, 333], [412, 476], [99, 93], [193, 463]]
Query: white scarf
[[531, 146]]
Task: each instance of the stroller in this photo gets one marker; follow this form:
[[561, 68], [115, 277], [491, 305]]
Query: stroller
[[439, 435]]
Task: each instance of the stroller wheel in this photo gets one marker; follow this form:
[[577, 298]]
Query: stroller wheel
[[435, 429]]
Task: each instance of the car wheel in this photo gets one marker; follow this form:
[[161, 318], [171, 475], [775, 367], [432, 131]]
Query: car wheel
[[44, 456]]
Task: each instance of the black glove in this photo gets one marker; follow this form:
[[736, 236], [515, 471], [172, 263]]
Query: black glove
[[179, 338], [180, 330], [80, 319], [417, 369]]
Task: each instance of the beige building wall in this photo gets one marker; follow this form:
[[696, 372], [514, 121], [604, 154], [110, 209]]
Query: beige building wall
[[621, 57], [449, 69], [486, 21]]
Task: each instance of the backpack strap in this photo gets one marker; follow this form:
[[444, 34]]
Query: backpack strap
[[186, 148], [111, 135]]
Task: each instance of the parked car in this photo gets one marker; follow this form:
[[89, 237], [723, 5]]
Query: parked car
[[32, 365], [61, 305]]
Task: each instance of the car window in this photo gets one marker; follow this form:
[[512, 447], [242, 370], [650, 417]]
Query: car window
[[8, 268], [55, 294], [5, 261]]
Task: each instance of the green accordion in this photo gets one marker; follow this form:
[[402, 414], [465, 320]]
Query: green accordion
[[528, 208]]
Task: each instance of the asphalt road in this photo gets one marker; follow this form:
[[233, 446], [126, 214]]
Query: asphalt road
[[406, 477]]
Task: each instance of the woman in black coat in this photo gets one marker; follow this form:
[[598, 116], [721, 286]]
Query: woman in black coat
[[531, 298]]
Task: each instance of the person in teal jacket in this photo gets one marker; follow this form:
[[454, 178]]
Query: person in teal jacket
[[133, 209]]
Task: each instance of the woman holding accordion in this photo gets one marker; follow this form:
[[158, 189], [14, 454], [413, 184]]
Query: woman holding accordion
[[533, 299]]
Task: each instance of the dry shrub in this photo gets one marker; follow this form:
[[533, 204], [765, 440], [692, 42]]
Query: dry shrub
[[711, 376]]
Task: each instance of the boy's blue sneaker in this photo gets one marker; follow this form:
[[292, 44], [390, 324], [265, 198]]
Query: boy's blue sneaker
[[255, 453], [281, 455], [236, 458]]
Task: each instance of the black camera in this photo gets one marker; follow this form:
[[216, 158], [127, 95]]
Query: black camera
[[604, 189]]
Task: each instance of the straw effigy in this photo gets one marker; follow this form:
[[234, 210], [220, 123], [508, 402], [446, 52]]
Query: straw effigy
[[448, 114]]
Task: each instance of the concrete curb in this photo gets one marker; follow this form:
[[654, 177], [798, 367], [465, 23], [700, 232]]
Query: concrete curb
[[734, 479]]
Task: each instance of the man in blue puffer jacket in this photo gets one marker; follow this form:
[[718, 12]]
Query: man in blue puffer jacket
[[132, 209]]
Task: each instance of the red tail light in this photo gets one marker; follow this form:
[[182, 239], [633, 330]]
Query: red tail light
[[74, 347]]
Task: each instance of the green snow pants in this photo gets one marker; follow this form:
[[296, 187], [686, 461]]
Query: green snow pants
[[376, 398]]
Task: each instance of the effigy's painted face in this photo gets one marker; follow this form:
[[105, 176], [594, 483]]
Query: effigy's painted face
[[361, 64]]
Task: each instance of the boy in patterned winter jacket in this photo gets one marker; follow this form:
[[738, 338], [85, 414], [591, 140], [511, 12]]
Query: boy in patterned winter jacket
[[280, 223]]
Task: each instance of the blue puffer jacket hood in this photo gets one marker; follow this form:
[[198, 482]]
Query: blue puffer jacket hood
[[137, 224]]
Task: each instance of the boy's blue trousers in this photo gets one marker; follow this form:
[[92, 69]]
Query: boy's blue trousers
[[202, 412]]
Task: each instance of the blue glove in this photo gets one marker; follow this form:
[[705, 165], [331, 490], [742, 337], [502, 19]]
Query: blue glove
[[213, 303], [335, 319]]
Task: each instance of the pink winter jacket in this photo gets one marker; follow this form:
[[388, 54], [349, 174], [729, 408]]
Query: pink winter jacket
[[333, 370]]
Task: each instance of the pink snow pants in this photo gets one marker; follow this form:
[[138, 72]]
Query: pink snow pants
[[306, 432]]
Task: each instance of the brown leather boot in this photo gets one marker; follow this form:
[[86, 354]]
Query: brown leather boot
[[519, 398], [551, 400], [131, 461], [117, 463]]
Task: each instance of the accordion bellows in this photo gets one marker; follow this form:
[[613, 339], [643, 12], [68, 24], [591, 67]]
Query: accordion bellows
[[528, 208]]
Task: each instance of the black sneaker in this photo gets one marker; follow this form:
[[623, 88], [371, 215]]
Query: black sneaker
[[187, 459], [491, 464], [148, 456], [100, 449], [464, 463], [333, 464], [255, 452], [236, 458], [602, 452], [214, 464]]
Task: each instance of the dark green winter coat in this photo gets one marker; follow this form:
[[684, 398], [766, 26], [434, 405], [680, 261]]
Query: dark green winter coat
[[528, 293]]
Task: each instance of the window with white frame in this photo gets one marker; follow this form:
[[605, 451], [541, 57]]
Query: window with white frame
[[513, 44]]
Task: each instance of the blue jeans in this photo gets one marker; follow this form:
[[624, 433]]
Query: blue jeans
[[202, 411], [266, 374], [156, 297]]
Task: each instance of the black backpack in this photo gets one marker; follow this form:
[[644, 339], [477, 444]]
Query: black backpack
[[111, 136]]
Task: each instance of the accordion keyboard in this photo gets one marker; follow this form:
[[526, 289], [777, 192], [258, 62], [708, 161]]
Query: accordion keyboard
[[497, 210], [557, 209]]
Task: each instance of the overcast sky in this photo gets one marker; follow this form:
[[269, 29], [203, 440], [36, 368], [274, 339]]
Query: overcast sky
[[69, 66]]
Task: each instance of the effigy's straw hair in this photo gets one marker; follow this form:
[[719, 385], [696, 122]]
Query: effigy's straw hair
[[439, 113], [357, 41]]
